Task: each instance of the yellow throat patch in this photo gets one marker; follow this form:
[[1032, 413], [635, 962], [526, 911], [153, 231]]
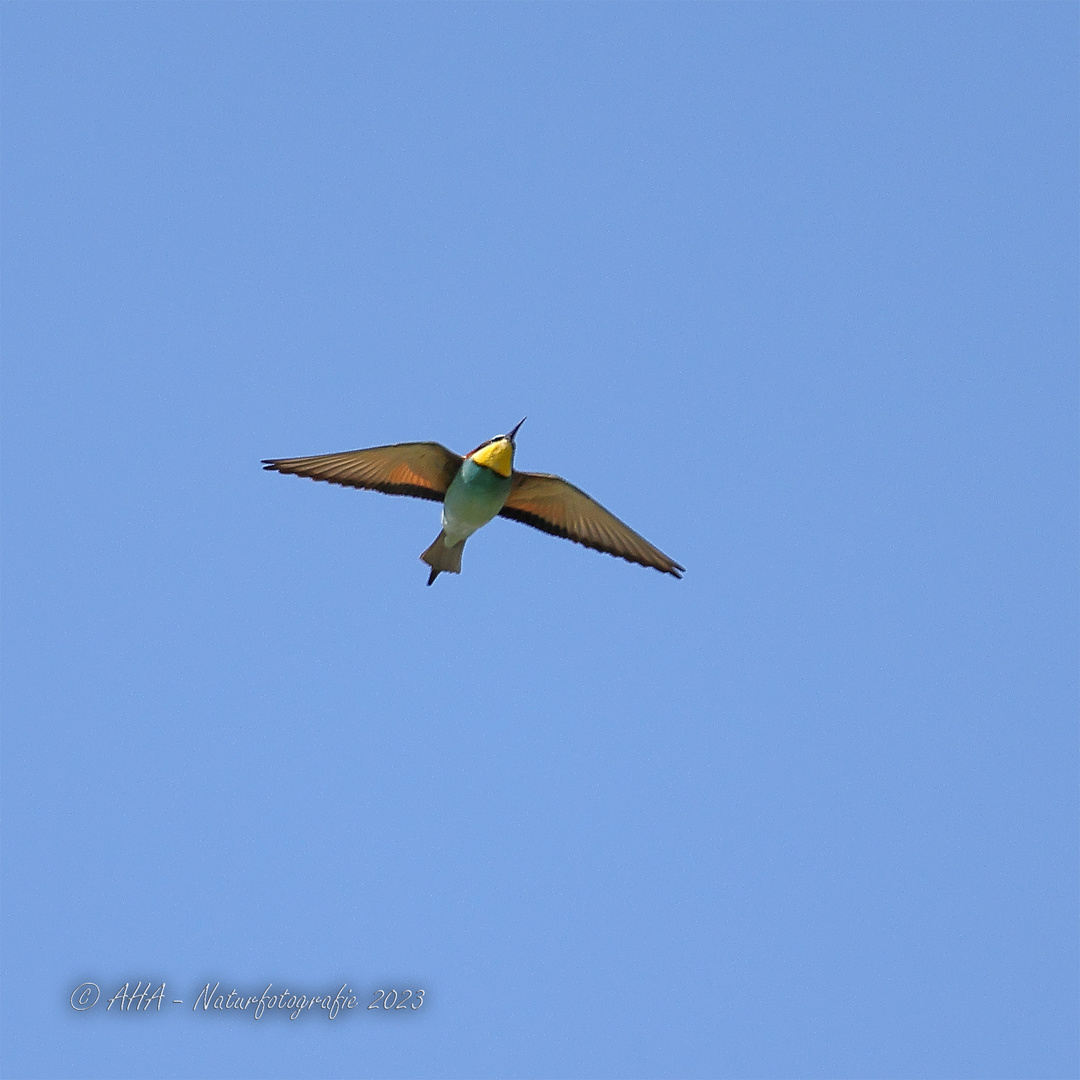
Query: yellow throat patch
[[497, 456]]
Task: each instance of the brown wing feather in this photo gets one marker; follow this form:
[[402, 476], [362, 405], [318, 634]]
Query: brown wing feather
[[423, 470], [554, 506]]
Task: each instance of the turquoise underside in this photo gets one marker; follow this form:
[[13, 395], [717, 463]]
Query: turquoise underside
[[474, 497]]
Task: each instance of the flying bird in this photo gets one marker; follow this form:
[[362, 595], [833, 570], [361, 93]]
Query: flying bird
[[476, 488]]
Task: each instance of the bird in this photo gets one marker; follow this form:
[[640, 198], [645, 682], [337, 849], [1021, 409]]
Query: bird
[[476, 488]]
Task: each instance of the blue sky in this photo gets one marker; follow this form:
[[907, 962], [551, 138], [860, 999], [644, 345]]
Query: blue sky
[[790, 288]]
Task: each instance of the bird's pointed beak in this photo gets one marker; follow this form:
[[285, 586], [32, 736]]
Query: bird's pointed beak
[[516, 426]]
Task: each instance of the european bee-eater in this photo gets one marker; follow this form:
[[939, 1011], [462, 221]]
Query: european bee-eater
[[474, 489]]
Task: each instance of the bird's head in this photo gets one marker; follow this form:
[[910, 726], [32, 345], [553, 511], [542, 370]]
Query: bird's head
[[498, 453]]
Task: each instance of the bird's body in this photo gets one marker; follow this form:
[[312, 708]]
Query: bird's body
[[475, 495], [475, 489], [473, 498]]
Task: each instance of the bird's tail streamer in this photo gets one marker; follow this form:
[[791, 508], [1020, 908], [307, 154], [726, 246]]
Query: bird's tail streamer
[[443, 556]]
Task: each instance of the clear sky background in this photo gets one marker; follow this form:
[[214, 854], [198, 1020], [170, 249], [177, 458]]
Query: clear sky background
[[792, 290]]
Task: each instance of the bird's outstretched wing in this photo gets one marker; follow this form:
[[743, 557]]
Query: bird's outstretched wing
[[552, 505], [421, 469]]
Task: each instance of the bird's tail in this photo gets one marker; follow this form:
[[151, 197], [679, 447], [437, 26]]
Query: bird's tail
[[443, 556]]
